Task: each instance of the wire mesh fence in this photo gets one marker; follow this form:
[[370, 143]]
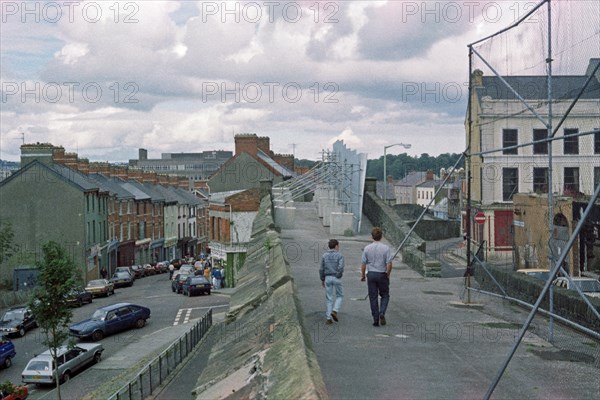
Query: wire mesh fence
[[156, 371], [533, 165]]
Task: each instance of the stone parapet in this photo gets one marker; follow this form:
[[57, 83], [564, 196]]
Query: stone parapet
[[263, 350]]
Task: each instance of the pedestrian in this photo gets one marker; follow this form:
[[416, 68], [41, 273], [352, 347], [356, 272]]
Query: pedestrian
[[171, 270], [377, 263], [331, 271], [217, 278], [103, 273]]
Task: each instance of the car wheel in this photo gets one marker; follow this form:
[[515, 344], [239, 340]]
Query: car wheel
[[113, 291], [7, 362], [66, 376], [79, 302], [140, 323], [97, 336], [22, 331], [97, 357], [189, 293], [209, 292], [172, 289]]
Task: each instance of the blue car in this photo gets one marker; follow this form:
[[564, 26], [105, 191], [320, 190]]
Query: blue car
[[111, 319], [7, 351]]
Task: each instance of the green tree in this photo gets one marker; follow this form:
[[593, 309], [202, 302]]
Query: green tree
[[48, 303]]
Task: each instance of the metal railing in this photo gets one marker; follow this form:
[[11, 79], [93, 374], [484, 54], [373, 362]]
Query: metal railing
[[156, 371]]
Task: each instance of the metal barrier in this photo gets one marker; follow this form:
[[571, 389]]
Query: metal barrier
[[154, 374]]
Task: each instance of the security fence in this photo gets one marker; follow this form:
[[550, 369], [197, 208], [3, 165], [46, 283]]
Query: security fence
[[156, 371]]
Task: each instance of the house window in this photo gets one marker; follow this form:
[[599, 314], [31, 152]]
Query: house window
[[509, 138], [540, 148], [572, 180], [596, 177], [597, 141], [540, 180], [510, 183], [571, 143]]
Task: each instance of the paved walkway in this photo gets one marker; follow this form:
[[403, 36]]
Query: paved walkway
[[433, 347]]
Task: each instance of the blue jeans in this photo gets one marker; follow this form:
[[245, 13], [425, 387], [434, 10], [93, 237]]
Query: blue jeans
[[379, 285], [331, 283]]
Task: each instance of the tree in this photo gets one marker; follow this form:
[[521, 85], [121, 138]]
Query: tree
[[6, 241], [56, 278]]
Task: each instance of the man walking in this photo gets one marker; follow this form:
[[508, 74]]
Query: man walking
[[331, 271], [377, 263]]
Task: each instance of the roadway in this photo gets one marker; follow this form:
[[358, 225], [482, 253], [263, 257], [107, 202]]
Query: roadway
[[169, 310]]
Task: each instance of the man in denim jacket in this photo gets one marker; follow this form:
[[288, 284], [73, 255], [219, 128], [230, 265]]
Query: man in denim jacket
[[331, 271]]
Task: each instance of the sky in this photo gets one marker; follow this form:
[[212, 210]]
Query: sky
[[104, 78]]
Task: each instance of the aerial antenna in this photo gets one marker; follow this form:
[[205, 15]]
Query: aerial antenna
[[23, 137], [293, 149]]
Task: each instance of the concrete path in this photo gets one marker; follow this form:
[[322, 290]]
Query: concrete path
[[433, 346]]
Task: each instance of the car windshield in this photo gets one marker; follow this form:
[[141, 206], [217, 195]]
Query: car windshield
[[121, 275], [38, 365], [198, 279], [99, 282], [588, 286], [99, 315], [13, 315]]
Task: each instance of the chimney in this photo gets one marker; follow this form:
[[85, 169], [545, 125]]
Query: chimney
[[246, 143], [183, 182], [149, 177], [117, 171], [173, 181], [163, 179], [390, 179], [429, 175], [99, 168], [477, 78], [83, 166], [287, 160], [370, 184], [135, 174], [142, 154], [42, 152], [264, 144], [71, 160]]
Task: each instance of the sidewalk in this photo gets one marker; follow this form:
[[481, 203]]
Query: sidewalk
[[433, 347]]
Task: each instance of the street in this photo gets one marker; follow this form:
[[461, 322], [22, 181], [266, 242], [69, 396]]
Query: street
[[168, 309]]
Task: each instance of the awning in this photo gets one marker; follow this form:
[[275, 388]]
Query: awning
[[157, 243]]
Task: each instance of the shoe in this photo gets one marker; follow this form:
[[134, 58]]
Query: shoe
[[329, 322], [382, 319], [376, 323], [334, 316]]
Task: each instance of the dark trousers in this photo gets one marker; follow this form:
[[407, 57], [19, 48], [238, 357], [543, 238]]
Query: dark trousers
[[379, 285]]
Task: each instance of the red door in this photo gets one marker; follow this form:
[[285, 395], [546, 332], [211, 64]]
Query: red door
[[502, 230]]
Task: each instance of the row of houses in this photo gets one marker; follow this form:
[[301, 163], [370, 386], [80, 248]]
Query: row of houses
[[110, 215]]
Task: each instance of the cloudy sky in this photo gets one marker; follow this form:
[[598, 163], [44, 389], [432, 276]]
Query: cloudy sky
[[105, 78]]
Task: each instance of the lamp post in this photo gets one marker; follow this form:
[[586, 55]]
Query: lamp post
[[406, 146]]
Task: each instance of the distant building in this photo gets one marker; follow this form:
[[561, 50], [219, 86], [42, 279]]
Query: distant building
[[253, 161], [405, 189], [194, 166]]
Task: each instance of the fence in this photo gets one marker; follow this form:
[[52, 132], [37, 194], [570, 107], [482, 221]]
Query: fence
[[154, 374]]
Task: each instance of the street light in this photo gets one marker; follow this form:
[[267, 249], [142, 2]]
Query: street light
[[406, 146]]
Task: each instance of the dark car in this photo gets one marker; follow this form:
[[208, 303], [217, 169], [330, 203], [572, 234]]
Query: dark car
[[109, 320], [195, 284], [121, 279], [17, 321], [149, 269], [7, 351], [126, 269], [138, 271], [177, 283], [78, 297], [162, 267]]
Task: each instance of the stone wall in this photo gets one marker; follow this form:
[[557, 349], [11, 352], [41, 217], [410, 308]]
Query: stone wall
[[263, 349], [437, 229], [395, 230], [567, 303]]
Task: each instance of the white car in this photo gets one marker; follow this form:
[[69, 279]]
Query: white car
[[40, 369], [589, 286]]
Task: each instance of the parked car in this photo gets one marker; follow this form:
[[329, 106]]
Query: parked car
[[40, 368], [195, 284], [10, 391], [177, 282], [121, 279], [100, 287], [7, 351], [149, 270], [17, 321], [162, 266], [537, 273], [78, 297], [589, 286], [111, 319], [126, 269], [186, 269], [138, 271]]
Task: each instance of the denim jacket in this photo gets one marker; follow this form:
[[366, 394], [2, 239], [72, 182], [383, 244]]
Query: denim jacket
[[332, 263]]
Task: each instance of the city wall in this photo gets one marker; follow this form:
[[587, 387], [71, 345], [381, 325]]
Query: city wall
[[263, 349]]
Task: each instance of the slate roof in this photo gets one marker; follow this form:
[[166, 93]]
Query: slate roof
[[75, 176], [412, 179], [219, 197], [137, 193], [391, 195], [536, 87], [111, 186], [283, 171]]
